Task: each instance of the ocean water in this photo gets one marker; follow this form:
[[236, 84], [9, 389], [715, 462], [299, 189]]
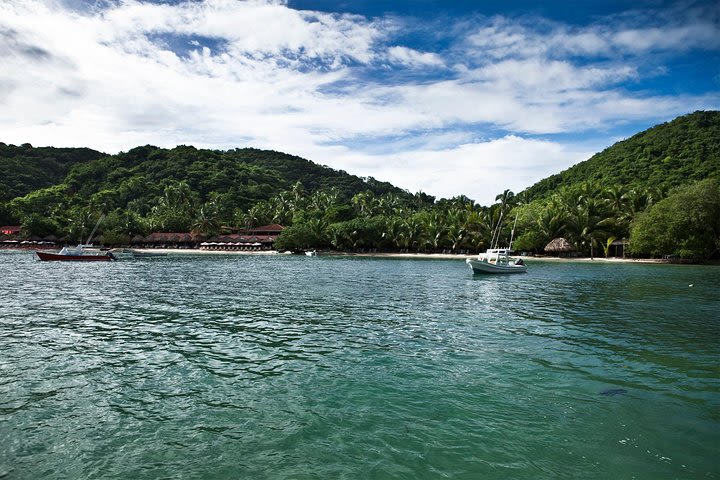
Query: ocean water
[[333, 367]]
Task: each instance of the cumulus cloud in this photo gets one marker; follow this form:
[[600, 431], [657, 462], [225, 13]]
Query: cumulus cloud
[[479, 169], [337, 89]]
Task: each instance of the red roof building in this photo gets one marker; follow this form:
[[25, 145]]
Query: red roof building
[[10, 230], [173, 237], [272, 229]]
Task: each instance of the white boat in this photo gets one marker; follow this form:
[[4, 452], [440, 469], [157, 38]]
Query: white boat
[[311, 253], [496, 260]]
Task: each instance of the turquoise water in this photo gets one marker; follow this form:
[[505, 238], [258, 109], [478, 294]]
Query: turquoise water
[[298, 367]]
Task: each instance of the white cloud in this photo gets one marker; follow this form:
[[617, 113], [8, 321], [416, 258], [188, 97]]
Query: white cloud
[[676, 30], [222, 74], [479, 170], [410, 57]]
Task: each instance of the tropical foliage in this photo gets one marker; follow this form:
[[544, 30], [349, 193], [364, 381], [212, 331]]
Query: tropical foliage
[[686, 224], [629, 190], [669, 155]]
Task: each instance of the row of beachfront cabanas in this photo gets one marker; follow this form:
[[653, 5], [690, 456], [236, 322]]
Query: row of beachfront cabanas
[[219, 242], [233, 246], [11, 243]]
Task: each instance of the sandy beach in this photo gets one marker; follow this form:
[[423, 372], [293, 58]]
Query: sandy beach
[[426, 256]]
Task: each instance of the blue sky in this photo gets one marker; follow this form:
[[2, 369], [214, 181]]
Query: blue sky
[[462, 97]]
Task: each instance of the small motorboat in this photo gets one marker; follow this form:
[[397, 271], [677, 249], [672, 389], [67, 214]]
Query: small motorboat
[[76, 254], [496, 260], [311, 253]]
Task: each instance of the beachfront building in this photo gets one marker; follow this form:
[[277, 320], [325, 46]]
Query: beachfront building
[[260, 238], [254, 239], [272, 230], [169, 240], [10, 230]]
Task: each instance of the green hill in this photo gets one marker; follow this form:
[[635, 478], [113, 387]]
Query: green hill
[[669, 155], [636, 184], [245, 176], [41, 180], [26, 168]]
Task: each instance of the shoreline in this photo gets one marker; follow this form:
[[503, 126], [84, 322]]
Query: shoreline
[[421, 256]]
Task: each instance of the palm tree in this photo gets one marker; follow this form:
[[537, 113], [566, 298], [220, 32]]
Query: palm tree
[[394, 232], [336, 237], [506, 199], [456, 235], [206, 222], [435, 229], [412, 233], [586, 224], [551, 221], [365, 203], [615, 198], [388, 204]]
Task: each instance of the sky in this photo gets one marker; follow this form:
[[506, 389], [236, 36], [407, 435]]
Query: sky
[[445, 97]]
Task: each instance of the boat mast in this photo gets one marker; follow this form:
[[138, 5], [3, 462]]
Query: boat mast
[[512, 234], [93, 230], [493, 240]]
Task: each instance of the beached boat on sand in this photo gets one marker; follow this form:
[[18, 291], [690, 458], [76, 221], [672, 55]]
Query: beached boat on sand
[[496, 260]]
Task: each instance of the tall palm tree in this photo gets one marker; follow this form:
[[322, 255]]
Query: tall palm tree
[[365, 203], [586, 223], [412, 233], [206, 222], [456, 235]]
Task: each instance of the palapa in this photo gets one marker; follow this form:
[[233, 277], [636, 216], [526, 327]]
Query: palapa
[[559, 245]]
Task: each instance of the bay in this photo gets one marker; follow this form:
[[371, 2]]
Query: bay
[[346, 367]]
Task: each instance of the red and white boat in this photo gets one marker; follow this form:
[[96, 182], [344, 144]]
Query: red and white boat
[[79, 253], [76, 254]]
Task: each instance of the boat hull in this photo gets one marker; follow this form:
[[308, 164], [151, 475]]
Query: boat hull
[[479, 266], [47, 257]]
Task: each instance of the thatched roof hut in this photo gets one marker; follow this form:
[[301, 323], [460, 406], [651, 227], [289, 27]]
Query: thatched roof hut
[[559, 245], [137, 238]]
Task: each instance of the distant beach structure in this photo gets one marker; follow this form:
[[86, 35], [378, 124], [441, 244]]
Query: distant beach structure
[[559, 246]]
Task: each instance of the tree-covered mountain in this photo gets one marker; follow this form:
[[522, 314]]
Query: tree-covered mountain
[[25, 168], [672, 154], [635, 189], [237, 178]]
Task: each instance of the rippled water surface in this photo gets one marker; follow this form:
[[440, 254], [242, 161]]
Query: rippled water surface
[[300, 367]]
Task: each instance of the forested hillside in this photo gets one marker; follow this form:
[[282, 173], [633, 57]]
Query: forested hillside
[[659, 190], [669, 155], [25, 168]]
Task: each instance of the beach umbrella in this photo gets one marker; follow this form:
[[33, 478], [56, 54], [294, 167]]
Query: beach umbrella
[[559, 245], [137, 238]]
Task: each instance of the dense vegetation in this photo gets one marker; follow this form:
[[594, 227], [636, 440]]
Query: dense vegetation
[[623, 192], [25, 168], [669, 155]]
